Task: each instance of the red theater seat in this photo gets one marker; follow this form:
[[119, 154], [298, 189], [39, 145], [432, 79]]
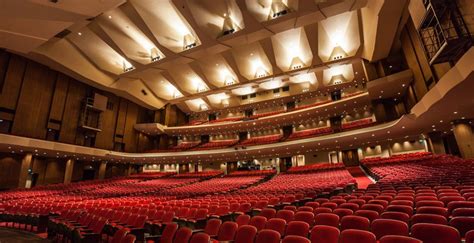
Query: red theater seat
[[399, 239], [383, 227], [297, 228], [276, 224], [200, 238], [295, 239], [329, 219], [428, 218], [182, 235], [324, 234], [268, 236], [355, 222], [435, 233], [245, 233], [463, 224], [357, 236]]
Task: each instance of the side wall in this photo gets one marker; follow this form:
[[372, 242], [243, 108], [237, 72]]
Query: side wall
[[35, 100]]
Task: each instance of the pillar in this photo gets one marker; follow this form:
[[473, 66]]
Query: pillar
[[129, 169], [464, 138], [25, 166], [435, 143], [196, 167], [68, 171], [102, 168]]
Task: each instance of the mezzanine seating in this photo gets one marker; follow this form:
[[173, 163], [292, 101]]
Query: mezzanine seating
[[357, 123], [310, 133], [261, 140]]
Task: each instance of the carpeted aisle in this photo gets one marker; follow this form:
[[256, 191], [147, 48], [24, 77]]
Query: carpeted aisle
[[9, 235], [362, 180]]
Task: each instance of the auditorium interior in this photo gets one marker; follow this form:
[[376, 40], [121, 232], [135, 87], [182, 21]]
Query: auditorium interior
[[238, 121]]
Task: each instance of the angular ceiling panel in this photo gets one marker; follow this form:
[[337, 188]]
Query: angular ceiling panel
[[99, 52], [217, 18], [218, 71], [128, 37], [292, 50], [169, 27], [188, 80], [338, 36], [252, 61], [159, 85]]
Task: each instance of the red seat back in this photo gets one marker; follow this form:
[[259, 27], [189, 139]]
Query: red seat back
[[435, 233], [324, 233]]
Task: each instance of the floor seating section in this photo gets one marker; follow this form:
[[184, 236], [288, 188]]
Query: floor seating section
[[418, 197]]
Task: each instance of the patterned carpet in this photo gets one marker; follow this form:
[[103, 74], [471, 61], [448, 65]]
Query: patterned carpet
[[18, 236]]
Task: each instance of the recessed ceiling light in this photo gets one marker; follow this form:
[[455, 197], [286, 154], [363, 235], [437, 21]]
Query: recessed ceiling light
[[110, 16], [79, 33], [455, 112]]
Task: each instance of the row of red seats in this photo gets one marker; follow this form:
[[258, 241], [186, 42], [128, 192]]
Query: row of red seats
[[215, 144], [357, 123], [404, 158], [310, 133], [315, 168], [265, 114], [261, 140]]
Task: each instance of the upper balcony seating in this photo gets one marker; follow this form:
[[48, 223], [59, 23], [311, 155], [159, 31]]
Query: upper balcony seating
[[261, 140], [197, 122], [265, 114], [357, 124], [216, 144], [309, 133], [301, 107], [227, 119], [261, 115], [352, 94]]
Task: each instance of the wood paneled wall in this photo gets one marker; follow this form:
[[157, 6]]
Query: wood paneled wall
[[35, 98], [9, 170]]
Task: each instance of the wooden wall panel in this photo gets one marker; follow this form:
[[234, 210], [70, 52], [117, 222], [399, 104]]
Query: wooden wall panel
[[9, 170], [76, 94], [419, 84], [121, 117], [32, 110], [130, 137], [59, 98], [4, 60], [54, 172], [12, 83], [105, 138]]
